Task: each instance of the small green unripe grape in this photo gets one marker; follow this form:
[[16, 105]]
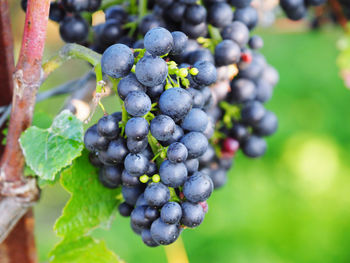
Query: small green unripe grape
[[172, 66], [144, 178], [194, 71], [168, 86], [183, 72], [156, 178], [201, 40]]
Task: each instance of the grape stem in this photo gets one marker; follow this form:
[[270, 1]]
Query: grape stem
[[214, 33], [155, 148], [176, 252], [70, 51], [75, 51], [133, 6], [142, 8]]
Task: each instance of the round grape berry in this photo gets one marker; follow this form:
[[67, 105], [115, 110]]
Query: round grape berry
[[198, 187], [151, 71], [163, 233], [158, 41], [117, 61]]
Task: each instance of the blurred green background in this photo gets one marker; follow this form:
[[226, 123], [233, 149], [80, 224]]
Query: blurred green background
[[292, 205]]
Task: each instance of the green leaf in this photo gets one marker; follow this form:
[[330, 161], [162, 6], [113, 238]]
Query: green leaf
[[47, 151], [42, 182], [82, 250], [91, 204], [41, 120]]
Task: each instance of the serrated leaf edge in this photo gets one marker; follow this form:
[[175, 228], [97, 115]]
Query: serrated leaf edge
[[50, 130]]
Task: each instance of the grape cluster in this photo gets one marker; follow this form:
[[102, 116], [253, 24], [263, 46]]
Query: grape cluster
[[114, 30], [241, 118], [73, 27], [185, 111], [297, 9], [151, 148], [238, 115]]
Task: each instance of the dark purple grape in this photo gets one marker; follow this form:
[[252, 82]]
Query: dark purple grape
[[132, 193], [137, 103], [227, 52], [137, 128], [115, 153], [164, 234], [198, 188], [117, 61], [94, 141], [194, 31], [192, 165], [195, 14], [147, 238], [158, 41], [57, 13], [110, 32], [110, 176], [125, 209], [206, 73], [74, 29], [240, 3], [219, 178], [254, 146], [177, 152], [196, 144], [173, 174], [136, 146], [157, 194], [94, 160], [196, 120], [171, 213], [180, 41], [252, 112], [267, 125], [256, 42], [247, 15], [138, 218], [108, 126], [151, 71], [129, 84], [151, 213], [192, 214], [136, 164], [176, 103], [162, 127], [242, 90], [220, 14], [129, 180], [116, 13], [237, 32]]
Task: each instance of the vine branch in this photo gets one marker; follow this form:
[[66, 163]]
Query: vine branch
[[14, 187], [337, 9]]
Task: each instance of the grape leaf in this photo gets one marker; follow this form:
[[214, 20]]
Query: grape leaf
[[82, 250], [42, 120], [47, 151], [90, 205]]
